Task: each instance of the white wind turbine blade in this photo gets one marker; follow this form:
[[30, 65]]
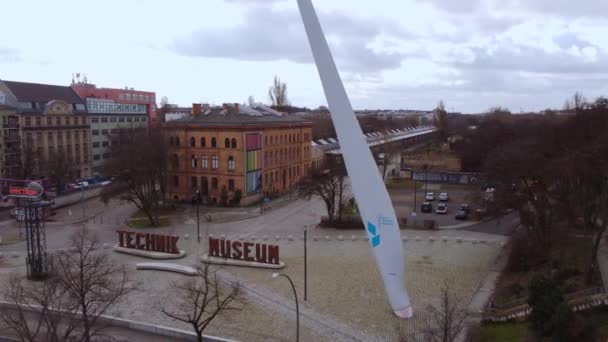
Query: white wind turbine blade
[[372, 198]]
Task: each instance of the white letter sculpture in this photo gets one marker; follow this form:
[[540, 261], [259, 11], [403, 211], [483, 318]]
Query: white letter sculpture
[[372, 198]]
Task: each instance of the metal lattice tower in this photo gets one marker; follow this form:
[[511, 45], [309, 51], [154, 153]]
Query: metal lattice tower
[[34, 218]]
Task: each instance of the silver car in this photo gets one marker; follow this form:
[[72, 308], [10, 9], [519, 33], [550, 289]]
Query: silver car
[[442, 208]]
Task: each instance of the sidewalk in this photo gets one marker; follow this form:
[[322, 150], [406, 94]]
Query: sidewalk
[[483, 294]]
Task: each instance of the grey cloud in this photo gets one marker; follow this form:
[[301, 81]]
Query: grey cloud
[[564, 8], [269, 35], [533, 59], [484, 89]]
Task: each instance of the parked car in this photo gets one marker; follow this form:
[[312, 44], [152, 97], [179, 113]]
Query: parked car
[[430, 196], [443, 196], [465, 207], [442, 208], [426, 207], [461, 215]]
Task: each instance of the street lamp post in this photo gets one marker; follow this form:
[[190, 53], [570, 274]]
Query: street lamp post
[[414, 211], [82, 201], [426, 177], [293, 287], [305, 264]]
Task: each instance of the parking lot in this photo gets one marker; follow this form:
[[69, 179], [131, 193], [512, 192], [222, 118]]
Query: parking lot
[[403, 201]]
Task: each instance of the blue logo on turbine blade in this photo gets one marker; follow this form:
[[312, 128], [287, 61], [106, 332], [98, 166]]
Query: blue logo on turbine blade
[[374, 234]]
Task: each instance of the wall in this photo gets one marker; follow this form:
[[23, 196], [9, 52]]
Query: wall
[[73, 198], [118, 95], [185, 152], [275, 140], [287, 157], [41, 143], [108, 126]]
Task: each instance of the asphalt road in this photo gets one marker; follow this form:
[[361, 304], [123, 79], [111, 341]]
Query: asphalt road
[[501, 226]]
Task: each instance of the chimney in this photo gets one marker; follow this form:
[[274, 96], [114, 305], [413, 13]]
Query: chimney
[[196, 108], [205, 106], [236, 108], [225, 105]]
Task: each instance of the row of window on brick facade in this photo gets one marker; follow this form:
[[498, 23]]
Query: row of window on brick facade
[[285, 138], [284, 155], [228, 143], [231, 143], [50, 135], [274, 176], [204, 162], [49, 121], [204, 184]]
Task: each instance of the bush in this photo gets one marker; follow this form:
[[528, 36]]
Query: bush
[[429, 224], [569, 327], [545, 297], [224, 196], [347, 222], [237, 196]]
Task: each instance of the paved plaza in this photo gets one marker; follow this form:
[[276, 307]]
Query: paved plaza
[[346, 299]]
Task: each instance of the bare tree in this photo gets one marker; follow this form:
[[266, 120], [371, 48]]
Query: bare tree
[[92, 281], [201, 299], [139, 168], [18, 321], [576, 103], [446, 318], [40, 308], [277, 94], [440, 120], [326, 182], [30, 163], [59, 168]]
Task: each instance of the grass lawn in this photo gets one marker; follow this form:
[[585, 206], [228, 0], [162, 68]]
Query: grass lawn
[[595, 330], [572, 257], [163, 211], [503, 332], [10, 239], [401, 183], [463, 187], [145, 223], [598, 319]]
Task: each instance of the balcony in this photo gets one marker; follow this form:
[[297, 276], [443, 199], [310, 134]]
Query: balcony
[[12, 162], [12, 138], [11, 125], [13, 150]]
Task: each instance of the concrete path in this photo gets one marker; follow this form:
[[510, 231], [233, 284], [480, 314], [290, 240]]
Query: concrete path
[[602, 260], [483, 294]]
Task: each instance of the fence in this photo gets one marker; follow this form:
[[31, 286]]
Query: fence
[[446, 177], [580, 300]]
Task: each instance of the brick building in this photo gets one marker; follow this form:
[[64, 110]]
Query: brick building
[[255, 150], [114, 100], [44, 125]]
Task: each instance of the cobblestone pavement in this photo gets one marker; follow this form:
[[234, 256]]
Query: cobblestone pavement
[[346, 299]]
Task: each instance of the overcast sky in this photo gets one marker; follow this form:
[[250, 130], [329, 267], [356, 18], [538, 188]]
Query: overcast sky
[[473, 54]]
